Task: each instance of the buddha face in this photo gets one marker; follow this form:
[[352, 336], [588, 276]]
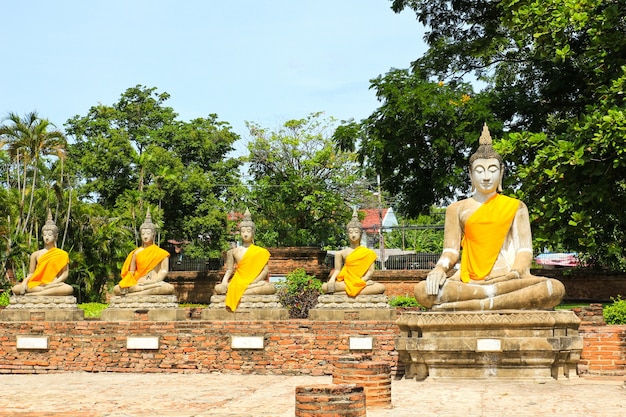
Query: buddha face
[[246, 233], [48, 236], [147, 235], [354, 234], [486, 175]]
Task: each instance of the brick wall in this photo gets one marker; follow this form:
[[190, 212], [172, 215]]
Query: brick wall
[[291, 347], [604, 350]]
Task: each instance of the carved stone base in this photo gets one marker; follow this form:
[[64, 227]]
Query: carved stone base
[[251, 307], [143, 301], [495, 344], [361, 307], [42, 308], [343, 301], [248, 302], [134, 307]]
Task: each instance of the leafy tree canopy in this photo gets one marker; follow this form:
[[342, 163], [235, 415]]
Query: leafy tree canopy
[[552, 73], [136, 154], [302, 189]]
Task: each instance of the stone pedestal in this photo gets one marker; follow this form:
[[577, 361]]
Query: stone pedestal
[[516, 344], [42, 308], [251, 307], [361, 307], [137, 307]]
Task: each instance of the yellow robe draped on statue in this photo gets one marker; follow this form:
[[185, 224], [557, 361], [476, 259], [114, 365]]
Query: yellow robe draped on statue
[[145, 262], [356, 265], [485, 231], [48, 267], [248, 268]]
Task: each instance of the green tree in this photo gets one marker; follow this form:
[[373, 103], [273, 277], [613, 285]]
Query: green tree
[[29, 140], [422, 234], [302, 189], [552, 75], [418, 139], [27, 144], [135, 154]]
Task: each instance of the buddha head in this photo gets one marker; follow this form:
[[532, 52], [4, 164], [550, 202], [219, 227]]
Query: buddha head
[[49, 231], [486, 165], [147, 230], [247, 227], [354, 227]]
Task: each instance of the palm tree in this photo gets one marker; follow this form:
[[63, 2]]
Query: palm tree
[[29, 140]]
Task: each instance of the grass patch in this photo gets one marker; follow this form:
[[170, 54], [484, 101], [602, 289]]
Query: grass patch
[[569, 306], [93, 310]]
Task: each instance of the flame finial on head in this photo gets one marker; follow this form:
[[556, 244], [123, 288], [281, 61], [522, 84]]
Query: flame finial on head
[[247, 221], [485, 136], [50, 225], [485, 148], [147, 224], [354, 222]]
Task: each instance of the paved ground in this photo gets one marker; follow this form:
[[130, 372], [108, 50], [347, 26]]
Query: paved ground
[[202, 395]]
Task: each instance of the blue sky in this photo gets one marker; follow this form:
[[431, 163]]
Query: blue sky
[[264, 61]]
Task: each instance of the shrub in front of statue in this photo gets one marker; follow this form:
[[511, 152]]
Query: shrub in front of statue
[[4, 298], [298, 293], [402, 301], [615, 313]]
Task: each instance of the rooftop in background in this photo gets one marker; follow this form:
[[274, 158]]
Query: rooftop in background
[[553, 260], [371, 222]]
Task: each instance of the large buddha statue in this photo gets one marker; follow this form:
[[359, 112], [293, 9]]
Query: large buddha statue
[[247, 269], [494, 232], [354, 266], [146, 267], [48, 269]]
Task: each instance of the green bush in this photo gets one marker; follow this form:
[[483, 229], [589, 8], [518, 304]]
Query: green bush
[[4, 298], [615, 313], [298, 293], [403, 301], [92, 310]]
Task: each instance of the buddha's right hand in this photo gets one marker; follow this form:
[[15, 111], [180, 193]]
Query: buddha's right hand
[[434, 281]]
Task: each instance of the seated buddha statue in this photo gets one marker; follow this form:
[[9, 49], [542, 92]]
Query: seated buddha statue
[[354, 266], [494, 233], [48, 268], [146, 267], [247, 271]]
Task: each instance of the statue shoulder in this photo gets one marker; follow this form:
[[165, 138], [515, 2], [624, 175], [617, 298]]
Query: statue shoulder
[[460, 205]]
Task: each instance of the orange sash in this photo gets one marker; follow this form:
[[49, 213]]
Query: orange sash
[[485, 231], [48, 267], [145, 262], [356, 265], [248, 268]]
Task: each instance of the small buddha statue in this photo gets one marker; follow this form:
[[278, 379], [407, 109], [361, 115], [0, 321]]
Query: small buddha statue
[[354, 266], [48, 269], [146, 267], [247, 269]]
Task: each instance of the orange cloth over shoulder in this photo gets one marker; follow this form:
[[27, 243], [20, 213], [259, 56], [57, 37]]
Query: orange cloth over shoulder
[[146, 260], [248, 268], [356, 265], [485, 231], [48, 267]]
